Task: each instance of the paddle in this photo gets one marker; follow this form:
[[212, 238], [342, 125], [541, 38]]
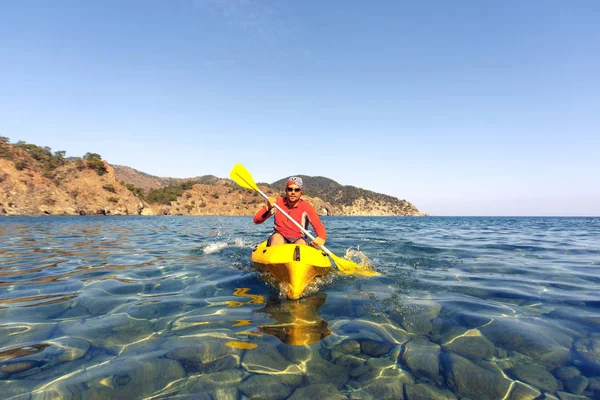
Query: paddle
[[242, 177]]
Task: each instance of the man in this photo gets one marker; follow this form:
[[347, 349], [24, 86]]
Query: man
[[301, 211]]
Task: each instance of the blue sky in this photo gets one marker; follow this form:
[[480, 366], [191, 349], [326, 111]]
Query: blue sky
[[461, 107]]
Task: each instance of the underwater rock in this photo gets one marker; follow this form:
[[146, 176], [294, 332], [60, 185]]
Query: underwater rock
[[17, 333], [319, 391], [469, 379], [208, 354], [121, 378], [522, 391], [221, 364], [24, 352], [417, 317], [152, 310], [349, 362], [374, 374], [566, 373], [268, 361], [470, 344], [422, 357], [577, 384], [374, 348], [296, 354], [381, 363], [361, 394], [71, 348], [346, 347], [588, 351], [537, 376], [93, 305], [544, 344], [445, 330], [549, 396], [358, 371], [16, 389], [15, 367], [417, 324], [224, 381], [587, 319], [34, 359], [265, 387], [380, 331], [325, 372], [385, 388], [569, 396], [113, 332], [594, 384], [422, 391]]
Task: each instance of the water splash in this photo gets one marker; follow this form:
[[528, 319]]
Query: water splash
[[358, 257], [218, 246], [214, 247]]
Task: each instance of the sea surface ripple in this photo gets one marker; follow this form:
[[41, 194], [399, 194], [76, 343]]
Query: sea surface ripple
[[171, 307]]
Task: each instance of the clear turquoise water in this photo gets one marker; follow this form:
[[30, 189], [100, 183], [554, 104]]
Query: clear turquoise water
[[170, 307]]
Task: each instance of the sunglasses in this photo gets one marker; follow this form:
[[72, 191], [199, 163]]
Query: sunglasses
[[293, 189]]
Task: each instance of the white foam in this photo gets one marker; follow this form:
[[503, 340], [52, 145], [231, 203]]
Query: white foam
[[217, 246], [214, 247]]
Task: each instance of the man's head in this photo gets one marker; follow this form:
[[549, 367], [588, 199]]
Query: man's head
[[293, 188]]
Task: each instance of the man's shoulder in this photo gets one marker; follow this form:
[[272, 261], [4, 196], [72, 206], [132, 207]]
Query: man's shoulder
[[305, 203]]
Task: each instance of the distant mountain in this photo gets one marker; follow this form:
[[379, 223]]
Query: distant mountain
[[35, 181], [350, 200]]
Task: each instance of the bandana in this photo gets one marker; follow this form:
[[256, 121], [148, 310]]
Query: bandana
[[295, 180]]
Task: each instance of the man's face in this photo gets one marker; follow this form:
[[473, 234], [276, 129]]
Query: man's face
[[293, 192]]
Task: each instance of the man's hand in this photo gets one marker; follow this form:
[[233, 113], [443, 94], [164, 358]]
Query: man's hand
[[271, 202], [318, 242]]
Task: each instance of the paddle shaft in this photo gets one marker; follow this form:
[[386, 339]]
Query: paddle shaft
[[307, 233]]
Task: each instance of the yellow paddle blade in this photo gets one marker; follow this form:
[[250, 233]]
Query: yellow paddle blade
[[242, 177], [351, 268]]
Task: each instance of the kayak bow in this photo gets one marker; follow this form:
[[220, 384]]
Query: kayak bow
[[293, 266]]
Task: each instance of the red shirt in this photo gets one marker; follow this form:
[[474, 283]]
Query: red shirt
[[302, 212]]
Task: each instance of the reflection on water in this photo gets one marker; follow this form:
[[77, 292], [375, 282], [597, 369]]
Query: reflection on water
[[296, 322], [157, 308], [254, 299]]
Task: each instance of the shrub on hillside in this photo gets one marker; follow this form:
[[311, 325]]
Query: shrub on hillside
[[43, 155], [4, 149], [169, 193], [138, 191], [109, 187], [94, 161]]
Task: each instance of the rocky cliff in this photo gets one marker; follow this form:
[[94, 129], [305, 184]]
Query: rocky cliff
[[36, 181]]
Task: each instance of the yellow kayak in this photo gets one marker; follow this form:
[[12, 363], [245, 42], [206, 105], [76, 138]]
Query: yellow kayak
[[293, 266]]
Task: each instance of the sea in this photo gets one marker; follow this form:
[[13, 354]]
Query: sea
[[171, 307]]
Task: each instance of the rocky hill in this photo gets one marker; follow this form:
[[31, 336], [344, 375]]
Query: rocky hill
[[350, 200], [147, 181], [36, 181]]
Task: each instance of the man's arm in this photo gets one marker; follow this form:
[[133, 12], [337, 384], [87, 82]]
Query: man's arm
[[264, 213], [316, 223]]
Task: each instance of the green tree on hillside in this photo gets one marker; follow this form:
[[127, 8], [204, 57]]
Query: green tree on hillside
[[167, 194], [94, 161], [4, 149], [48, 160]]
